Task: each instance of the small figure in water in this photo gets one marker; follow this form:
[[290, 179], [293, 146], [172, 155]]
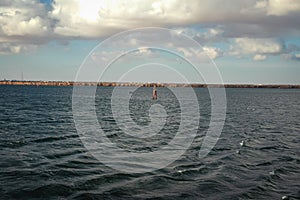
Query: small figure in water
[[154, 93]]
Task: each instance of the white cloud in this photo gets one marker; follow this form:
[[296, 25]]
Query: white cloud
[[94, 18], [282, 7], [188, 53], [212, 52], [204, 53], [256, 46], [205, 36], [104, 56], [101, 18], [7, 48], [13, 48], [259, 57], [24, 25], [77, 18], [291, 56], [22, 18], [261, 4], [274, 7], [30, 23], [144, 51]]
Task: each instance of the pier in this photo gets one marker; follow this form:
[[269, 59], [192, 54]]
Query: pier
[[135, 84]]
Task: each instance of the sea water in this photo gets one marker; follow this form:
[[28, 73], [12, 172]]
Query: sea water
[[43, 157]]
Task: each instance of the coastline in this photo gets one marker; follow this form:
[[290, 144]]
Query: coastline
[[107, 84]]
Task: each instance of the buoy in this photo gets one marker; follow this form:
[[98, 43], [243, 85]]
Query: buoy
[[154, 93]]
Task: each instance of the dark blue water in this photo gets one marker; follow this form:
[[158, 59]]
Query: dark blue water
[[42, 156]]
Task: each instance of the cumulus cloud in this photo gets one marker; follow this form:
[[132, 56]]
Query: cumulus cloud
[[274, 7], [259, 57], [95, 18], [213, 52], [22, 24], [256, 46], [101, 18], [13, 48], [291, 56], [260, 48], [203, 54], [23, 18], [207, 35], [282, 7], [32, 23], [144, 50], [6, 48]]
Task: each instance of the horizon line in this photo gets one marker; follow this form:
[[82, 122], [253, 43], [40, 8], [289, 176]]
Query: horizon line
[[143, 84]]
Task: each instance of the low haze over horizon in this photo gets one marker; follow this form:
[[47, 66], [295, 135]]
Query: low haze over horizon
[[250, 41]]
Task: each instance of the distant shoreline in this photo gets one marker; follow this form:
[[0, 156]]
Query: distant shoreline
[[71, 83]]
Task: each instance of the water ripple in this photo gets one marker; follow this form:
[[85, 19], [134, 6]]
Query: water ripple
[[42, 157]]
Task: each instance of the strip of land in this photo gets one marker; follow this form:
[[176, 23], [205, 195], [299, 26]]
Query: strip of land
[[71, 83]]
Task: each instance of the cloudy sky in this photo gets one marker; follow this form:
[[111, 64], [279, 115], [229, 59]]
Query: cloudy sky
[[251, 41]]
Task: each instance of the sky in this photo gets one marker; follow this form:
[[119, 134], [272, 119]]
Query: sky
[[250, 41]]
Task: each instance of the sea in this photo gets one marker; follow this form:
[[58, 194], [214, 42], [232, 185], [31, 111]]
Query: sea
[[43, 156]]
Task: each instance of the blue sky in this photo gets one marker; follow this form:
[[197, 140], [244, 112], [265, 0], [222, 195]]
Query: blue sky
[[250, 41]]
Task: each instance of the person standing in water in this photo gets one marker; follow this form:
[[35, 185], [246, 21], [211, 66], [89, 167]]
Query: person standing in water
[[154, 93]]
